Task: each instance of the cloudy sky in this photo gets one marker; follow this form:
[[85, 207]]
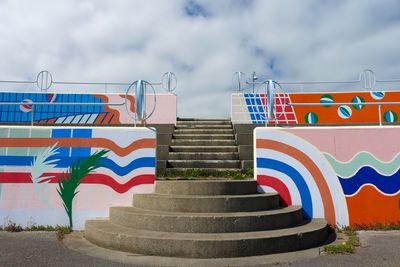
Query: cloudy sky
[[202, 41]]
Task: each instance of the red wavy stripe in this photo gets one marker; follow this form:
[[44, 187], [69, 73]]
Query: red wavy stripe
[[96, 178], [278, 186], [80, 142]]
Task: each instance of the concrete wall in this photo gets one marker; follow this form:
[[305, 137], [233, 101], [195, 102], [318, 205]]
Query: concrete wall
[[33, 159], [249, 108], [165, 112], [348, 175]]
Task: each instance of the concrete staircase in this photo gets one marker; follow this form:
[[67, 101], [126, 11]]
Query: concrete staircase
[[203, 144], [206, 219]]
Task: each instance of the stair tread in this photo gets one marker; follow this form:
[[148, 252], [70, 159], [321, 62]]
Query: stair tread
[[107, 226], [166, 196], [280, 210]]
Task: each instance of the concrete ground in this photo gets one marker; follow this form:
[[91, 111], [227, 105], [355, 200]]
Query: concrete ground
[[43, 249]]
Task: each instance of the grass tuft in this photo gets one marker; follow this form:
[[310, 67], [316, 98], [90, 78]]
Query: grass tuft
[[348, 246]]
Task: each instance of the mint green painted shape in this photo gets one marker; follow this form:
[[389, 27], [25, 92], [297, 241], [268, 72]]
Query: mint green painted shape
[[349, 168], [44, 133], [19, 133], [33, 151], [17, 151], [3, 151], [4, 132]]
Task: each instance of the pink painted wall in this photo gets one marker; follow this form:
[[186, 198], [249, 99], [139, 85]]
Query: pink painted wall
[[348, 175]]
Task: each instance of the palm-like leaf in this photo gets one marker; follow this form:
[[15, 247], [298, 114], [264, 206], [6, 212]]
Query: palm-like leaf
[[73, 177], [43, 164]]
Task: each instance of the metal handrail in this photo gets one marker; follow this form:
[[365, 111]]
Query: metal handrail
[[44, 80], [367, 79]]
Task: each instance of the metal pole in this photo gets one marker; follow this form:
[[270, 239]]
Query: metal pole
[[380, 115]]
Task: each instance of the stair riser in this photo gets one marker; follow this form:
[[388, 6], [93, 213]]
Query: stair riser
[[206, 187], [199, 156], [204, 136], [183, 142], [205, 126], [203, 164], [203, 149], [203, 131], [210, 204], [203, 123], [204, 248], [211, 224]]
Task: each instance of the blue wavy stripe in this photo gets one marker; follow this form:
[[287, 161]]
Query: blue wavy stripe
[[299, 181], [65, 162], [368, 175]]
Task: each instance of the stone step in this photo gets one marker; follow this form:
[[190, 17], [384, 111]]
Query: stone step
[[180, 148], [209, 187], [203, 131], [200, 164], [203, 136], [185, 222], [199, 142], [220, 203], [205, 122], [205, 126], [202, 119], [201, 245], [203, 155]]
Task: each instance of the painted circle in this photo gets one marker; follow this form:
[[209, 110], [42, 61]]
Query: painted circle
[[311, 118], [358, 102], [377, 95], [26, 105], [326, 100], [390, 116], [344, 112]]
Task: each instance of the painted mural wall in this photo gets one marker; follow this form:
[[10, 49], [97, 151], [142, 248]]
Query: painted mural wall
[[250, 108], [165, 112], [348, 175], [42, 167]]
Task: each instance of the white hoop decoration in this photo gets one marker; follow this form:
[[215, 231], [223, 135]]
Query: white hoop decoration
[[238, 78], [367, 79], [272, 91], [169, 81], [140, 88], [44, 80]]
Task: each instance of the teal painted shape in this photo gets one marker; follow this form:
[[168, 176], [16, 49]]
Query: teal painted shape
[[349, 168]]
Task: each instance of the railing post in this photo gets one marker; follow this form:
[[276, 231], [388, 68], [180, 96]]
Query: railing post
[[380, 114]]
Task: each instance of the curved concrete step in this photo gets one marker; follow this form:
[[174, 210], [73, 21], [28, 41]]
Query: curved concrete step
[[193, 148], [209, 187], [200, 142], [203, 155], [221, 203], [212, 136], [200, 164], [215, 245], [184, 222]]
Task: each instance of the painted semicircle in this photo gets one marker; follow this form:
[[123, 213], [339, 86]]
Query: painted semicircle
[[334, 203]]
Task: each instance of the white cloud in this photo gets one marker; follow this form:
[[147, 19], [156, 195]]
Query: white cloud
[[129, 40]]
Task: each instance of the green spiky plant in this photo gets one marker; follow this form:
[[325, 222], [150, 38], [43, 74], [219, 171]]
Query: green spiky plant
[[73, 177]]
